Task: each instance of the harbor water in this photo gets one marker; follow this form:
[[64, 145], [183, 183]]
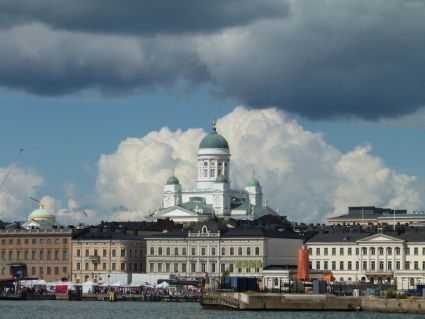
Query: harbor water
[[160, 310]]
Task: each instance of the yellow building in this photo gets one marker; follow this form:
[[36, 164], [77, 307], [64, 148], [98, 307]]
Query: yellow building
[[105, 257], [210, 250]]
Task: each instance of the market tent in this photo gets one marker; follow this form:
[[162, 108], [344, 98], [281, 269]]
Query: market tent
[[117, 284], [88, 286], [163, 285]]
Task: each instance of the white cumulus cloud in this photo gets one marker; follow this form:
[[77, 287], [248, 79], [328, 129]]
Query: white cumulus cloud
[[302, 176]]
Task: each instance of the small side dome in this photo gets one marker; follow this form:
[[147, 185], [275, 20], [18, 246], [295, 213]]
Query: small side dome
[[253, 182], [173, 180], [222, 179]]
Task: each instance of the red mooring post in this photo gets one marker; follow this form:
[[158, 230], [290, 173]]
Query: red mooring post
[[303, 273]]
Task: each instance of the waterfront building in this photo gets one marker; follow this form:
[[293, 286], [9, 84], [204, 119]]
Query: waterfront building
[[107, 256], [213, 194], [39, 245], [44, 252], [373, 255], [211, 249]]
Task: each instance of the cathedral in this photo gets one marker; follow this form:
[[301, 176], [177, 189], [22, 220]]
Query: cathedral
[[213, 195]]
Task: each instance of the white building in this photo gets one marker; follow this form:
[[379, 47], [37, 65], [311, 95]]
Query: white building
[[369, 256], [213, 195]]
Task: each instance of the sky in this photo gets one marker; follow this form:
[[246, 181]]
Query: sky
[[324, 100]]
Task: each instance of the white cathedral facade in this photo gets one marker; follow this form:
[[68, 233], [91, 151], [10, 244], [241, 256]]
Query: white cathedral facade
[[213, 195]]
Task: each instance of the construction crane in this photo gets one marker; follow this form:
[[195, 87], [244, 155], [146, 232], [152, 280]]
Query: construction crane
[[11, 168]]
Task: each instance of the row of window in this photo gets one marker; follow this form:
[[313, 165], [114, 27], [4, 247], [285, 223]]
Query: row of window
[[194, 268], [373, 265], [123, 267], [203, 251], [41, 271], [372, 251], [36, 254], [34, 241], [123, 253]]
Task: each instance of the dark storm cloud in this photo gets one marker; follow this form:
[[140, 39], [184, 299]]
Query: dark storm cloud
[[138, 16], [319, 59]]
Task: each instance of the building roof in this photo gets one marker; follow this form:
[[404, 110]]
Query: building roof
[[41, 213], [339, 235], [260, 232], [90, 234], [253, 182]]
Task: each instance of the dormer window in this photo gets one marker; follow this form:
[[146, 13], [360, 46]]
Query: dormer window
[[204, 229]]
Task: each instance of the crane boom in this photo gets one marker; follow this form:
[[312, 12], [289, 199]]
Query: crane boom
[[11, 168]]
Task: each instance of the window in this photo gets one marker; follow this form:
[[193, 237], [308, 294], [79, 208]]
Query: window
[[123, 252], [239, 251], [372, 251], [325, 251], [56, 241], [397, 250], [18, 241], [64, 270], [41, 241], [56, 254], [95, 266], [364, 265], [114, 253], [389, 251], [26, 241], [78, 253], [193, 267], [203, 251], [407, 251], [176, 251], [78, 266], [26, 255], [341, 251], [213, 270], [397, 265], [86, 266], [32, 270], [184, 252], [325, 265], [122, 266], [318, 251], [49, 241], [104, 253], [231, 269], [341, 265], [167, 267], [423, 265], [334, 265], [232, 251], [372, 265], [223, 268], [381, 265], [151, 267], [193, 251], [114, 266], [349, 252], [103, 266], [65, 241], [49, 254], [87, 253], [56, 270], [416, 265], [423, 250], [203, 267], [333, 251], [317, 265], [168, 251], [41, 254], [248, 251], [184, 267], [381, 251], [95, 252], [416, 251], [310, 265], [349, 265], [18, 255], [310, 251], [212, 173], [33, 255], [357, 251], [357, 265], [389, 265], [257, 251], [176, 267], [364, 251], [152, 250], [212, 251], [407, 265], [65, 254]]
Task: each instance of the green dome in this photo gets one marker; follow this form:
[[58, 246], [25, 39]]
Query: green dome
[[173, 181], [254, 182], [214, 140], [222, 179]]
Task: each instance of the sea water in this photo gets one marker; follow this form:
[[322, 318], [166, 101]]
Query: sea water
[[47, 309]]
